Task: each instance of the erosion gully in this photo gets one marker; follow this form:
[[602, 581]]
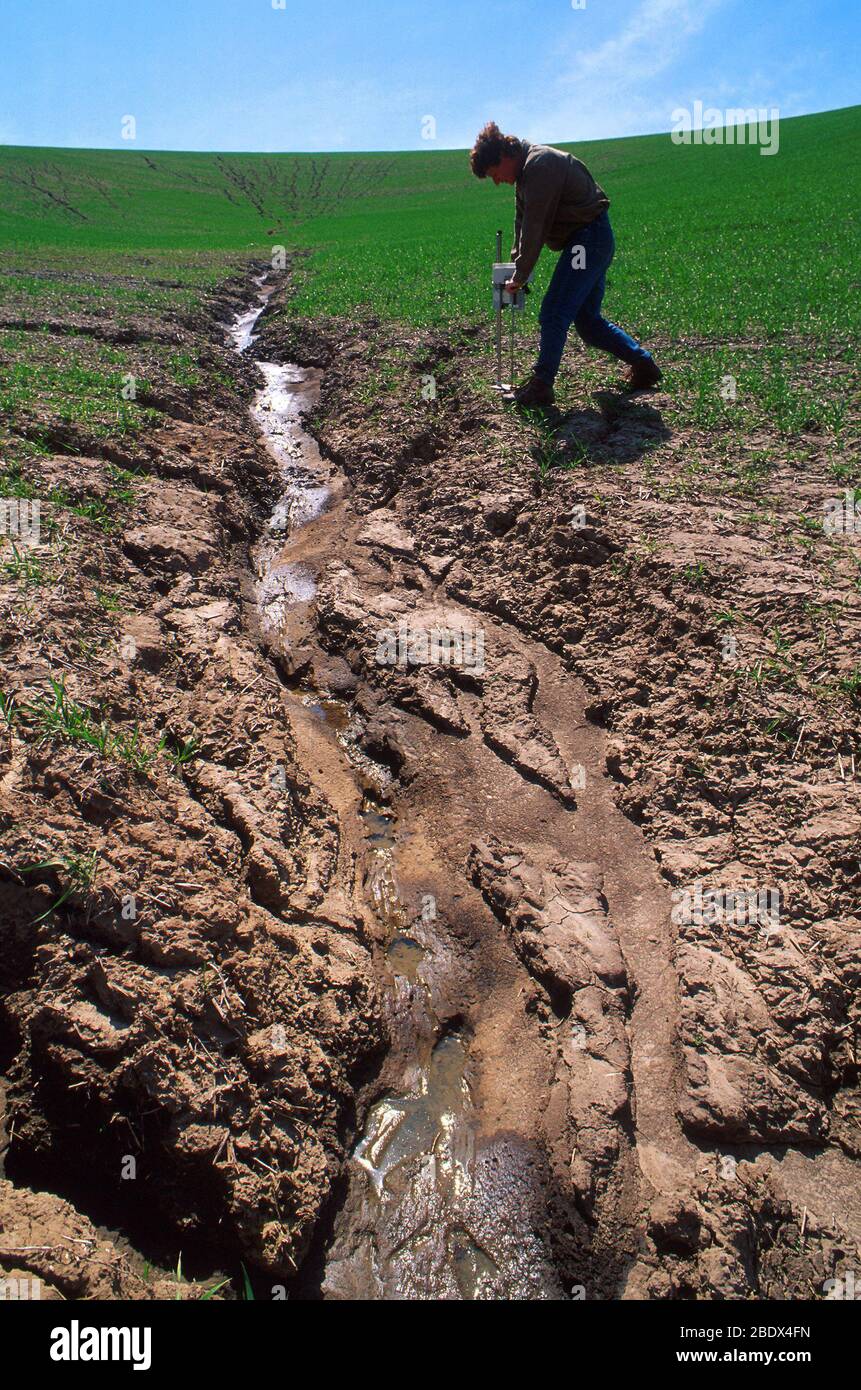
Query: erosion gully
[[448, 1193]]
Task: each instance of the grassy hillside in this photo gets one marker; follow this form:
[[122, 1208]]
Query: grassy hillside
[[747, 259], [716, 239]]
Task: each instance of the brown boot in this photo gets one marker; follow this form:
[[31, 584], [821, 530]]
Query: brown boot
[[644, 375], [535, 393]]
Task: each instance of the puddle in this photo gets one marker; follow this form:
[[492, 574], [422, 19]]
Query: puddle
[[287, 393], [281, 589], [434, 1210], [381, 884], [473, 1267], [379, 827], [427, 1127], [298, 509], [405, 956], [332, 713]]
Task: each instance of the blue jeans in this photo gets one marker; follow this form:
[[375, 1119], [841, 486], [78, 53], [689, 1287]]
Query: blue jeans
[[575, 295]]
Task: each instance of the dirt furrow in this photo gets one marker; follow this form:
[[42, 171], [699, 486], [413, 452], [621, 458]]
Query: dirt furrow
[[498, 784], [555, 953], [403, 1008]]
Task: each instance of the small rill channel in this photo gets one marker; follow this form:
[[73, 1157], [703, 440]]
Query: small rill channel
[[430, 1212]]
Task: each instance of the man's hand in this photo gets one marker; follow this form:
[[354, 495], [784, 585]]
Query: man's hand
[[512, 287]]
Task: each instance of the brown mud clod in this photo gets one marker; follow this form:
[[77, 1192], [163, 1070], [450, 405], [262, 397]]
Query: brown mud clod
[[382, 973]]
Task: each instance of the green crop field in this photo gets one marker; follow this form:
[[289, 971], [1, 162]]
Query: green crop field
[[741, 263]]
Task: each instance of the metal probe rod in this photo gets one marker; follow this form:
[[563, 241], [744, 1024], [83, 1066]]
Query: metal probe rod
[[499, 317]]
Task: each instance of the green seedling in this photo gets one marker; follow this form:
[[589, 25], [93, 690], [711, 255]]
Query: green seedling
[[79, 869], [24, 568]]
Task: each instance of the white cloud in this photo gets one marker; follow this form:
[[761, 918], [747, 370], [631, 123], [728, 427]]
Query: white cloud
[[611, 89], [649, 43]]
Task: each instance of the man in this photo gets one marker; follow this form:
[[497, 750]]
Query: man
[[559, 204]]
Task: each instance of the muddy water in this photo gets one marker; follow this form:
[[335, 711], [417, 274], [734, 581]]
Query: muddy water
[[435, 1209], [286, 394]]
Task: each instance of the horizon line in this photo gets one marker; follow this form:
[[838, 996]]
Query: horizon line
[[419, 149]]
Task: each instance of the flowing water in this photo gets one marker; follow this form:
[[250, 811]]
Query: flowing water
[[432, 1211]]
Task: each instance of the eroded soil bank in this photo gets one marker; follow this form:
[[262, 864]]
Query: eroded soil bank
[[401, 1007]]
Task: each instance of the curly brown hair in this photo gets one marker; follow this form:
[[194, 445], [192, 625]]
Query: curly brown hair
[[490, 147]]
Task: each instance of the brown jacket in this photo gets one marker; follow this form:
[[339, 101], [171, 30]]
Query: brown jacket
[[556, 195]]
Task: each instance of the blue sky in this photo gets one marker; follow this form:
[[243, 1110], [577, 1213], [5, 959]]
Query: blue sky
[[365, 74]]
